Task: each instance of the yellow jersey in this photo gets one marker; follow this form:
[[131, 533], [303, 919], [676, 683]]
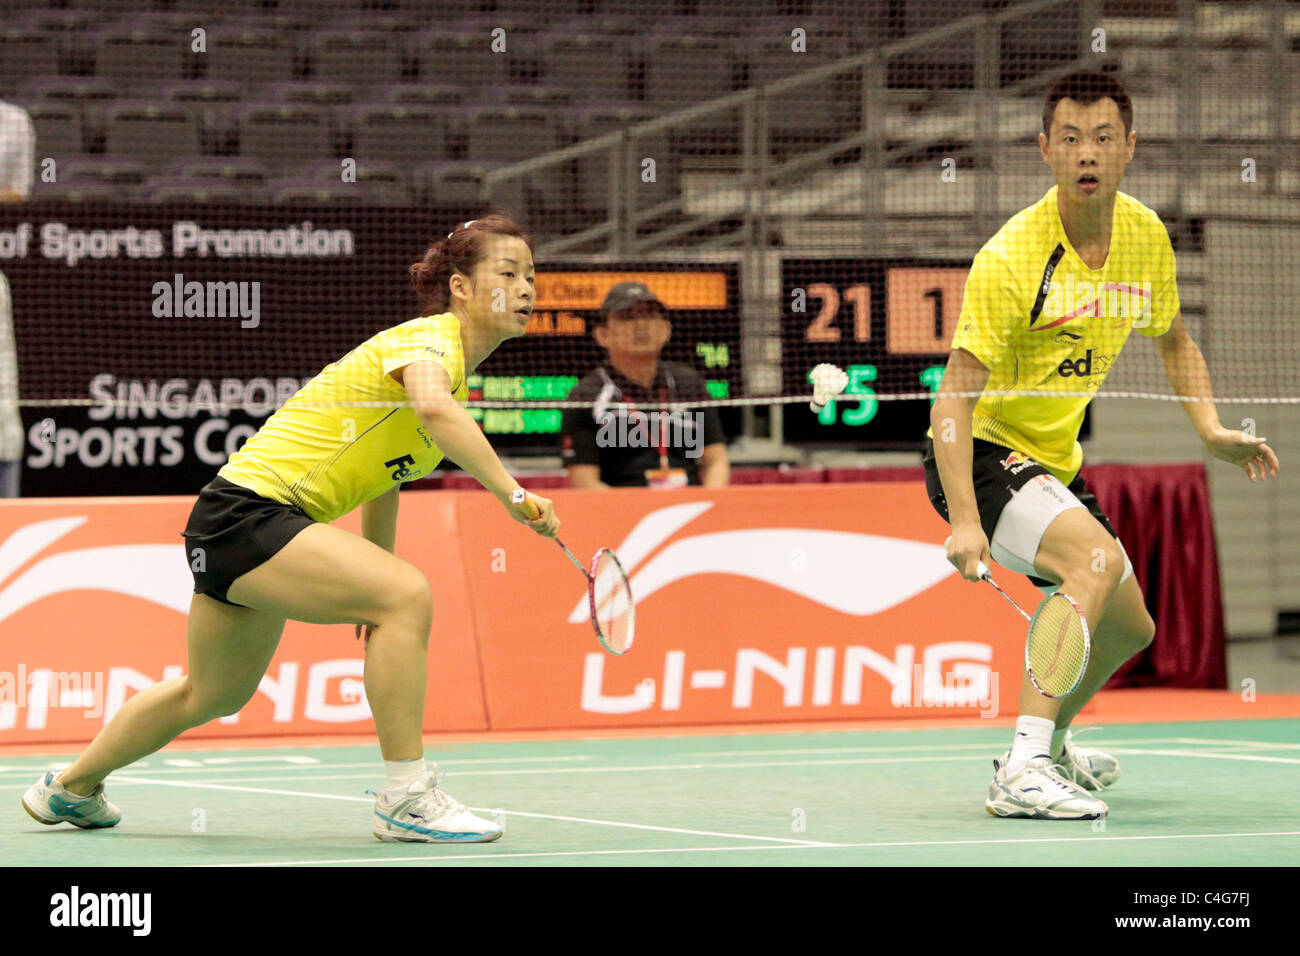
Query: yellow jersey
[[326, 450], [1042, 321]]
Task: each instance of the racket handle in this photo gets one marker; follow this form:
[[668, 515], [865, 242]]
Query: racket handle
[[520, 497], [983, 572]]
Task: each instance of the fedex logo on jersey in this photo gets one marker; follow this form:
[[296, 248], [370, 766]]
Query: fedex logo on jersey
[[1077, 298]]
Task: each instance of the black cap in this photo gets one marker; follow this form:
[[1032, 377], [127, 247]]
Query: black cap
[[625, 295]]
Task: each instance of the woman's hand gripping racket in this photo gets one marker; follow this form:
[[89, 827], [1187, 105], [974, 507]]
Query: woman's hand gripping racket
[[1059, 643], [613, 615]]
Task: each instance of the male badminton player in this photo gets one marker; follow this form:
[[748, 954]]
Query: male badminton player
[[261, 537], [1004, 469]]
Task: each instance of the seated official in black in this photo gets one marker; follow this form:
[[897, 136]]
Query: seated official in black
[[630, 441]]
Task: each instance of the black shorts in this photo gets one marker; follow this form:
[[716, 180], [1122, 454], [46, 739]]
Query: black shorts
[[232, 530], [998, 473]]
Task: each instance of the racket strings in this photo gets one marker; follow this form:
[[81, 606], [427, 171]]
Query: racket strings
[[613, 611], [1057, 650]]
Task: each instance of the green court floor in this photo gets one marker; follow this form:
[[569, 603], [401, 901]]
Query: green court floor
[[1221, 793]]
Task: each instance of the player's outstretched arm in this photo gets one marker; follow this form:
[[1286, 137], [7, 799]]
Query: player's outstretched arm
[[1190, 377], [458, 435]]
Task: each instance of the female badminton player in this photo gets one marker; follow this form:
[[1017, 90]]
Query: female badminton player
[[262, 549]]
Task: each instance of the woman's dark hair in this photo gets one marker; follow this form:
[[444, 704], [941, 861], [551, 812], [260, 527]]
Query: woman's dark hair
[[461, 251], [1087, 87]]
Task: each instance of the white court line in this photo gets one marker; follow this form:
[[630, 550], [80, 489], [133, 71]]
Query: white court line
[[655, 768], [1261, 744], [210, 785], [314, 766], [1208, 756], [489, 855], [916, 747]]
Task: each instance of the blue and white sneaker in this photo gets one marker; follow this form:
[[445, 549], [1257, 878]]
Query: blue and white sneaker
[[1090, 769], [1040, 793], [423, 813], [49, 802]]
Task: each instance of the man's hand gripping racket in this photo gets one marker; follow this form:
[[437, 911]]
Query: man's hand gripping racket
[[1059, 642], [609, 596]]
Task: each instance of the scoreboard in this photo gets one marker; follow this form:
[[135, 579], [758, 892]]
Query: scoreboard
[[558, 348], [887, 323]]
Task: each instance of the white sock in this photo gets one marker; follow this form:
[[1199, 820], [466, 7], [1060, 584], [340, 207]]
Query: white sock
[[1033, 739], [1058, 741], [403, 773]]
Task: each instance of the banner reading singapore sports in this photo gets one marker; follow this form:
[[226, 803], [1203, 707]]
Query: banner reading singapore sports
[[180, 328]]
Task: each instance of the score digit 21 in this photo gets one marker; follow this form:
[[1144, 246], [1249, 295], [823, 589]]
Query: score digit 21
[[887, 353]]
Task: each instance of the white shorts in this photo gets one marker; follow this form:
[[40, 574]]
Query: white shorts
[[1024, 520]]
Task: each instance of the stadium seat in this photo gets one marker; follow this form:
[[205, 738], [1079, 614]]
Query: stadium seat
[[25, 54], [590, 65], [285, 133], [294, 190], [140, 59], [408, 133], [58, 128], [814, 108], [245, 173], [249, 56], [614, 24], [458, 185], [147, 128], [122, 171], [871, 23], [213, 104], [425, 94], [511, 134], [380, 183], [445, 57], [317, 92], [362, 59], [682, 71], [76, 192], [165, 189], [593, 174], [523, 94]]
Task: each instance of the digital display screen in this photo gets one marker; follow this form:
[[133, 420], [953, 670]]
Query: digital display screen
[[559, 348]]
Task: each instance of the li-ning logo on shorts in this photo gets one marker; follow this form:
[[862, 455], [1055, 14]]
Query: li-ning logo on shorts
[[1016, 462]]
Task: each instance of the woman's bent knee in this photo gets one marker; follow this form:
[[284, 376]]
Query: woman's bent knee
[[410, 602]]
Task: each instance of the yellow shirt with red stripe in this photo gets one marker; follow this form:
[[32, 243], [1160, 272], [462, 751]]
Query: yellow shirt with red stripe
[[328, 449], [1045, 332]]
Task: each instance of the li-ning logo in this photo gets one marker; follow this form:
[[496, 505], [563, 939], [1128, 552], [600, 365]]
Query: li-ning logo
[[1016, 462], [1078, 298]]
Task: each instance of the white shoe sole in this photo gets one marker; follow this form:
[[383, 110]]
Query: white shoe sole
[[1008, 810], [389, 837]]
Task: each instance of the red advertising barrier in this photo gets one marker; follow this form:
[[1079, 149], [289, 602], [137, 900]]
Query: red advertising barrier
[[753, 604]]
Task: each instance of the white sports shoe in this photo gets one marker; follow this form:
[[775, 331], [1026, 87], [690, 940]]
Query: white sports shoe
[[425, 814], [1090, 769], [48, 801], [1041, 793]]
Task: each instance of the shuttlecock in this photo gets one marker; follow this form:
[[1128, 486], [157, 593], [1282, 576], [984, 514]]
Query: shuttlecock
[[828, 381]]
